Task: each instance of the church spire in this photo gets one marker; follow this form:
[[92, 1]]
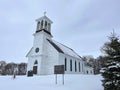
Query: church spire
[[44, 23]]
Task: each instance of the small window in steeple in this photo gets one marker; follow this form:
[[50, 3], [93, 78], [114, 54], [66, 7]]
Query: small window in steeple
[[46, 25], [38, 25], [49, 26], [42, 24]]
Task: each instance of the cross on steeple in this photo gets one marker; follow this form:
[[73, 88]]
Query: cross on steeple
[[45, 13]]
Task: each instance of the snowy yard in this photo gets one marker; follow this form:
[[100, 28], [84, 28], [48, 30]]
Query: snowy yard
[[72, 82]]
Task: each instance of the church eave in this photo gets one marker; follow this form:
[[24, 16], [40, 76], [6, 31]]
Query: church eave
[[44, 31]]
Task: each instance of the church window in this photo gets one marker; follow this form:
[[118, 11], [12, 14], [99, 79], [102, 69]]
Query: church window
[[82, 67], [65, 64], [37, 50], [75, 66], [35, 62], [38, 26], [46, 25], [42, 24], [79, 66], [70, 65]]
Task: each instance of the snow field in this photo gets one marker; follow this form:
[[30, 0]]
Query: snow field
[[72, 82]]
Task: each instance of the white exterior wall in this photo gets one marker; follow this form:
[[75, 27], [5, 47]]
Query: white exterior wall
[[45, 57], [68, 71], [38, 42], [88, 70], [51, 59], [33, 56]]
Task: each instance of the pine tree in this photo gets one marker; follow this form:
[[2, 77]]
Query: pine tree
[[111, 71]]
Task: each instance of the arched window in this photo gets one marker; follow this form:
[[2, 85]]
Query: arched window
[[42, 24], [71, 65], [65, 64], [46, 25], [36, 62], [82, 67], [75, 66], [38, 25], [79, 66]]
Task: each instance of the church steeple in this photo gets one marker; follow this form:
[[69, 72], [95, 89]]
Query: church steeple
[[44, 23]]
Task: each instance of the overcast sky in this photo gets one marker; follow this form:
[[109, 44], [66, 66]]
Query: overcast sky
[[82, 25]]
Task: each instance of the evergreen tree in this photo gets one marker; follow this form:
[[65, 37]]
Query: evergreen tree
[[111, 71]]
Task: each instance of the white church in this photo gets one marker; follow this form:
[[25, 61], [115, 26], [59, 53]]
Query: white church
[[46, 53]]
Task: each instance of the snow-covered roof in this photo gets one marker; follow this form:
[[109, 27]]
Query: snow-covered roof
[[64, 49]]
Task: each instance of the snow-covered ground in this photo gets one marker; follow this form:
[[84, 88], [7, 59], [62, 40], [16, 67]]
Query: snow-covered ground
[[72, 82]]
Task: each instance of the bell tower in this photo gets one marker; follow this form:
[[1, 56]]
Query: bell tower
[[38, 55], [44, 24]]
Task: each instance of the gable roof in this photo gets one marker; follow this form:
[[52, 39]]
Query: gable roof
[[63, 49], [60, 48]]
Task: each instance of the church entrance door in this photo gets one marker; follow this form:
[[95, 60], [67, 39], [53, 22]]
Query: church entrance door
[[34, 69]]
